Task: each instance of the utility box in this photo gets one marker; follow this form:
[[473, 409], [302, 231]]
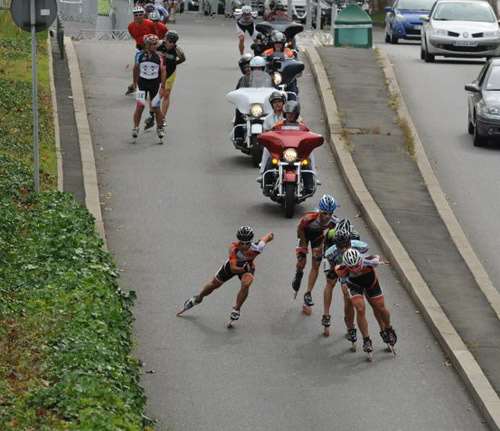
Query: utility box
[[353, 27]]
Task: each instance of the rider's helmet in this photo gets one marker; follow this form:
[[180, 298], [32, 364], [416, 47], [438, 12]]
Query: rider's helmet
[[278, 37], [327, 203], [244, 62], [138, 10], [257, 63], [259, 37], [292, 110], [245, 233], [344, 224], [246, 10], [154, 16], [280, 5], [342, 236], [277, 95], [352, 258], [151, 39], [149, 8], [172, 36]]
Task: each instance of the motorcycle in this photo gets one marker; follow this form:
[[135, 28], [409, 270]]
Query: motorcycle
[[286, 178], [252, 102], [284, 72], [289, 28]]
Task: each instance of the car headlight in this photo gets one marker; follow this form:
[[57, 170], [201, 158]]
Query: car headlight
[[490, 112], [439, 32], [277, 78], [400, 17], [256, 110], [492, 33], [290, 155]]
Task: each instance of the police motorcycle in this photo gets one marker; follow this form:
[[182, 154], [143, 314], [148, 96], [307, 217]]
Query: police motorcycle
[[284, 72], [289, 28], [252, 104]]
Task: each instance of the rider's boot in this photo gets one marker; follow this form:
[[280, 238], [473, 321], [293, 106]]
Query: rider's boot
[[233, 317], [130, 90], [297, 280], [135, 132], [161, 133], [368, 347], [351, 335], [308, 303], [325, 321], [190, 303], [150, 121], [392, 337]]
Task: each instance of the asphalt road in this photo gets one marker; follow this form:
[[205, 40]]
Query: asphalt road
[[469, 176], [171, 212]]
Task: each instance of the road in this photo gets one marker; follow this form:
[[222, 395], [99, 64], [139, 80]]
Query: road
[[171, 211], [469, 176]]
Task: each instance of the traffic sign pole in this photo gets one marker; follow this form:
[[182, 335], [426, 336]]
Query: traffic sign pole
[[34, 96]]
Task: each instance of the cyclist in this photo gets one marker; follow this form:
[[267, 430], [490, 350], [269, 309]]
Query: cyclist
[[310, 231], [245, 24], [138, 29], [149, 78], [242, 254], [358, 274], [337, 241]]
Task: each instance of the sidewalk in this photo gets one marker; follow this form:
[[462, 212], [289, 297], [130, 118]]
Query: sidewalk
[[393, 179]]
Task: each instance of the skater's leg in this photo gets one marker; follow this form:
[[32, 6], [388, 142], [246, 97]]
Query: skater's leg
[[159, 116], [208, 289], [246, 282], [359, 305], [348, 308], [165, 102], [241, 43], [138, 114], [317, 256], [328, 295], [381, 312]]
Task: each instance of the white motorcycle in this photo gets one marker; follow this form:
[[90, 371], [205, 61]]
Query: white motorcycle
[[252, 104]]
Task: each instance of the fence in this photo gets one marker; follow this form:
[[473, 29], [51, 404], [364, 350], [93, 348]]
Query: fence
[[4, 4]]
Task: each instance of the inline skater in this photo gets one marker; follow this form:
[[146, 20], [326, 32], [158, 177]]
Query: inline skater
[[359, 275], [310, 231], [242, 254], [138, 28], [245, 24], [149, 78], [160, 28], [150, 7]]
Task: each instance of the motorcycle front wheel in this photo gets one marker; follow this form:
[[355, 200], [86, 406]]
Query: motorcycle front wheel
[[289, 201], [256, 152]]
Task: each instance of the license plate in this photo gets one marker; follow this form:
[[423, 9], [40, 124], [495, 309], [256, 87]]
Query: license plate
[[417, 27], [256, 128], [465, 43]]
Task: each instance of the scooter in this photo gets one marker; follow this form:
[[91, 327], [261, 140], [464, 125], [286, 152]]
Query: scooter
[[252, 102], [286, 178]]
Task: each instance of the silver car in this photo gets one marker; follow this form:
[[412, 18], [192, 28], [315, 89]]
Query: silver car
[[460, 28], [484, 103]]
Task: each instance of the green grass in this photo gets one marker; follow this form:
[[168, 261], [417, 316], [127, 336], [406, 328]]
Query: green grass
[[103, 7]]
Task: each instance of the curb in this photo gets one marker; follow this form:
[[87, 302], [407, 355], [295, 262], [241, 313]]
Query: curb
[[55, 118], [466, 365], [438, 197], [92, 200]]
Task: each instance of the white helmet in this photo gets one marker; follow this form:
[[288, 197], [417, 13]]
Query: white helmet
[[352, 258], [257, 62], [246, 10], [138, 9]]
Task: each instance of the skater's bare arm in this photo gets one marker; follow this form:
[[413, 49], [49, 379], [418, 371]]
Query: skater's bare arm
[[268, 238], [181, 57]]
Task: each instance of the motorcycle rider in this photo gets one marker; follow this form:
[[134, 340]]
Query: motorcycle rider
[[259, 44], [245, 24], [278, 41], [242, 254], [244, 65], [311, 230], [277, 100], [149, 77], [278, 12]]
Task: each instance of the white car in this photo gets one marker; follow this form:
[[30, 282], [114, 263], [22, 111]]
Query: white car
[[460, 28]]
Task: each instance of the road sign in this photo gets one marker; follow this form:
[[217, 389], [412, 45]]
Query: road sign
[[45, 14]]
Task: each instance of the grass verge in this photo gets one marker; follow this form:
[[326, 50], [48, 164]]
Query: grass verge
[[65, 326]]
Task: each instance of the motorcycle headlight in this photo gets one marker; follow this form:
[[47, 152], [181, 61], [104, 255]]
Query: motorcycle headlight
[[256, 110], [290, 155], [277, 78]]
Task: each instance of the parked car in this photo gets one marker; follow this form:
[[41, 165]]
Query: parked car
[[404, 19], [460, 28], [484, 103], [193, 4], [207, 7]]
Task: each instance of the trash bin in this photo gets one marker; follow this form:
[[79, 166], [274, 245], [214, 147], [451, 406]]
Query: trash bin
[[353, 27]]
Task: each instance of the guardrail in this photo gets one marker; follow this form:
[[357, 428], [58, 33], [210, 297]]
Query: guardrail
[[103, 35], [5, 4]]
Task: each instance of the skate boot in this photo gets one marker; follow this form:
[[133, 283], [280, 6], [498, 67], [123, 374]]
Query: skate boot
[[368, 348], [135, 133], [392, 339], [130, 90], [308, 303], [150, 122], [190, 303], [325, 321], [161, 134], [233, 317], [351, 336], [296, 282]]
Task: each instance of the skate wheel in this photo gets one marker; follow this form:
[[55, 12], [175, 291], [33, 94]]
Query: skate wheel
[[307, 310]]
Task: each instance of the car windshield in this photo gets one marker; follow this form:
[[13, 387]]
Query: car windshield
[[474, 11], [414, 4], [493, 82]]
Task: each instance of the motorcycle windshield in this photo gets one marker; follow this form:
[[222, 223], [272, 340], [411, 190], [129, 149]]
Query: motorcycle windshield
[[257, 79], [289, 70], [304, 142], [244, 98], [290, 28]]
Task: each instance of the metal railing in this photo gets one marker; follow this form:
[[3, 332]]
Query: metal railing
[[5, 4], [103, 35]]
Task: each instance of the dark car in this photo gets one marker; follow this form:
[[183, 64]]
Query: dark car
[[484, 103], [404, 19]]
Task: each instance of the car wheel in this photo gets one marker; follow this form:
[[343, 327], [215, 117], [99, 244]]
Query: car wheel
[[428, 57], [479, 141], [422, 54], [393, 39], [470, 127]]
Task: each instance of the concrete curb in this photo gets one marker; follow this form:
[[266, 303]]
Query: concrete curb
[[92, 200], [466, 365], [438, 197], [55, 114]]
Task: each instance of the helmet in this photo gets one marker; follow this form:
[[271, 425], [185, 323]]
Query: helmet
[[244, 61], [342, 236], [154, 16], [277, 95], [352, 258], [260, 37], [245, 233], [344, 224], [327, 203], [292, 107], [151, 38], [172, 36], [138, 10], [278, 37], [257, 62], [280, 6], [246, 10], [149, 7]]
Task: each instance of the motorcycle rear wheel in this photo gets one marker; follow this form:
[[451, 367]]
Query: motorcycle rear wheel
[[289, 201]]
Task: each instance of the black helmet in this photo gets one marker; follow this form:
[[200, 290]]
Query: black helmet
[[342, 236], [245, 233], [259, 36], [278, 37], [277, 95], [280, 6], [172, 36], [292, 107], [244, 61]]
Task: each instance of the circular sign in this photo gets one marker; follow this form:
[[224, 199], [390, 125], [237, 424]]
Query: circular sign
[[45, 13]]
